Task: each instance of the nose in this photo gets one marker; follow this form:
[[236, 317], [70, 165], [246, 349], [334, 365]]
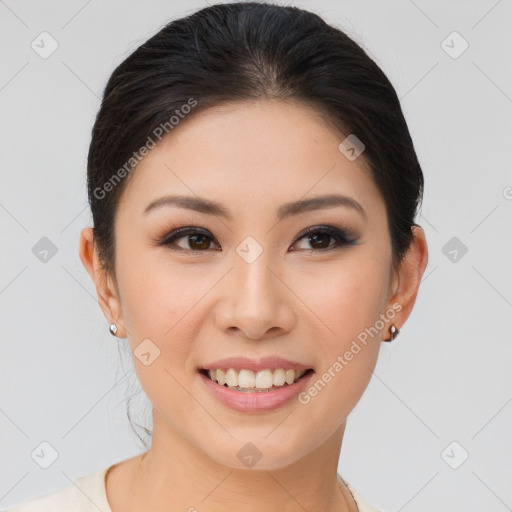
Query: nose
[[256, 302]]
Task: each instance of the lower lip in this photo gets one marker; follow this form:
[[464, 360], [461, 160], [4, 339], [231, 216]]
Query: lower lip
[[256, 401]]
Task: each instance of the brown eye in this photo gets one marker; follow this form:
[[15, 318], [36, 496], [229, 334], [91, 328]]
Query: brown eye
[[319, 238], [196, 240]]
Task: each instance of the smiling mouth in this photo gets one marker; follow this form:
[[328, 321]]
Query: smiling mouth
[[248, 381]]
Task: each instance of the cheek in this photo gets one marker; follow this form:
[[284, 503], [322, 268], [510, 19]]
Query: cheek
[[348, 305], [158, 305], [155, 295], [347, 299], [162, 303]]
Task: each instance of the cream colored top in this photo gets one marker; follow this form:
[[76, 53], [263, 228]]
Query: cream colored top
[[88, 494]]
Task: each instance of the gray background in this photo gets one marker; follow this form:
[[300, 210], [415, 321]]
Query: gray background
[[446, 378]]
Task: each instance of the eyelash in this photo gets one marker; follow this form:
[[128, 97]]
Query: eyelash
[[341, 237]]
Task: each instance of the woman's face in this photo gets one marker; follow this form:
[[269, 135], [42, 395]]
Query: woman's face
[[245, 281]]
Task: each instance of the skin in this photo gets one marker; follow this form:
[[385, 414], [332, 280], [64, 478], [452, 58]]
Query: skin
[[196, 308]]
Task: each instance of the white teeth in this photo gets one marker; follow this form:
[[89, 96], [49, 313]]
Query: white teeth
[[221, 377], [279, 377], [231, 378], [264, 379], [247, 379]]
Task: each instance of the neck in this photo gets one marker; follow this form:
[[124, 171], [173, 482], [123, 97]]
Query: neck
[[174, 475]]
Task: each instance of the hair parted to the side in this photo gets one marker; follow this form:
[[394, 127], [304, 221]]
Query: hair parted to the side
[[249, 51]]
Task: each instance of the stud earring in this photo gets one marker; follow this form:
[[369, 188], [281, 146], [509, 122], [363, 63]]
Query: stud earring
[[113, 329], [393, 332]]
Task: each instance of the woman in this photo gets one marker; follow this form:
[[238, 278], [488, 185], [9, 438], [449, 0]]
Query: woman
[[253, 186]]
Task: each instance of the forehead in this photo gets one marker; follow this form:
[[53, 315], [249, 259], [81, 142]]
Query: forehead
[[240, 152]]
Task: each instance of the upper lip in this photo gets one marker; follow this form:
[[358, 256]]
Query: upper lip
[[270, 362]]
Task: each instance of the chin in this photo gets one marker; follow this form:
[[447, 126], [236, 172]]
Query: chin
[[261, 452]]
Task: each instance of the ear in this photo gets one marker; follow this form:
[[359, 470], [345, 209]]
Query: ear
[[108, 296], [406, 281]]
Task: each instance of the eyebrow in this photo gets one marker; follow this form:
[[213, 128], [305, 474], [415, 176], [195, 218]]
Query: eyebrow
[[286, 210]]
